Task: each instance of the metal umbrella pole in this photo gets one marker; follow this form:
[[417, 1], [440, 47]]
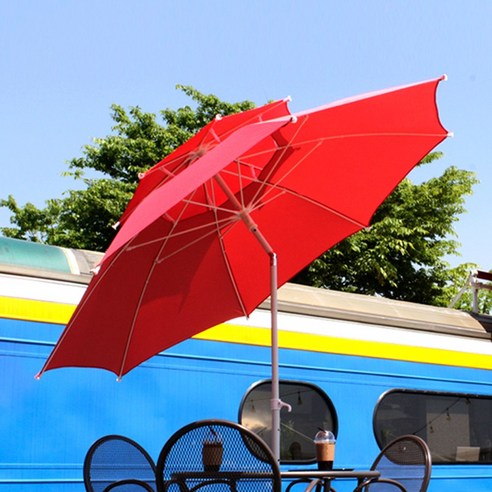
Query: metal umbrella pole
[[276, 403]]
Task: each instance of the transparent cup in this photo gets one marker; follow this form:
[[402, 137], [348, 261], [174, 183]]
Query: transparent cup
[[325, 449]]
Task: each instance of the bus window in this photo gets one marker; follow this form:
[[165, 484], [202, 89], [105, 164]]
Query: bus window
[[311, 410], [455, 426]]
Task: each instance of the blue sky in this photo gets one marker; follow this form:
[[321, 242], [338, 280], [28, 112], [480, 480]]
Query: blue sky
[[64, 62]]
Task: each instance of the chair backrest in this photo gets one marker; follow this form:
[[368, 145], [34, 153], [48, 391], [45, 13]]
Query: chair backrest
[[406, 459], [207, 453], [130, 485], [119, 459]]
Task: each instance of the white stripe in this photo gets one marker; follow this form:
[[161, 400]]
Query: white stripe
[[40, 289], [66, 293], [351, 330]]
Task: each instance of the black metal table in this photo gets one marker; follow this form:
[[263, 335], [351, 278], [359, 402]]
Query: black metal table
[[190, 481], [321, 479]]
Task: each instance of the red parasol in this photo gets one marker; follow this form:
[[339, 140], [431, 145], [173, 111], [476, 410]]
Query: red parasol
[[191, 251]]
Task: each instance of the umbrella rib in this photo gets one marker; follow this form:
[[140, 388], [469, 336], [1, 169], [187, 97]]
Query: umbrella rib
[[156, 261], [240, 183], [210, 205], [295, 166], [279, 159], [188, 245], [272, 187], [310, 200], [319, 141], [173, 235], [233, 217], [95, 281], [159, 259], [378, 134], [135, 314], [283, 148], [220, 236], [217, 138]]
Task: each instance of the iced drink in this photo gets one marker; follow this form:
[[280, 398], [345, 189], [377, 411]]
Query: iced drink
[[212, 455], [325, 449], [325, 454]]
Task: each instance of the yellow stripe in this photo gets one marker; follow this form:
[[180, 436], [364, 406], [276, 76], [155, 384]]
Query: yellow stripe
[[51, 312], [27, 309], [344, 346]]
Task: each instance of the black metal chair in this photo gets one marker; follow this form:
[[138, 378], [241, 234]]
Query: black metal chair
[[119, 463], [405, 465], [129, 485], [219, 456]]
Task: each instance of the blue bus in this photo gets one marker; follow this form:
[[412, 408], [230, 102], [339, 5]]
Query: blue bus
[[367, 368]]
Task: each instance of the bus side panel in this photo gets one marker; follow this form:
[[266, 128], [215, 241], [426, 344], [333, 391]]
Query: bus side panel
[[48, 425]]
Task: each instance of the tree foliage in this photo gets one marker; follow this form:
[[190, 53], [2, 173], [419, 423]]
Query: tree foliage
[[402, 255]]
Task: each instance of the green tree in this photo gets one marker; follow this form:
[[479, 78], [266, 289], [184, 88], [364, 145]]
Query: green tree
[[401, 256]]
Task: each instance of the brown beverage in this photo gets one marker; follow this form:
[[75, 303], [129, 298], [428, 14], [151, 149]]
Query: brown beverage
[[212, 455], [325, 454]]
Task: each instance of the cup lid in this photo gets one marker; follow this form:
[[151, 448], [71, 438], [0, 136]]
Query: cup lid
[[324, 435]]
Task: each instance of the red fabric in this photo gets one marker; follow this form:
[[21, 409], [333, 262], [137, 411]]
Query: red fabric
[[184, 184], [185, 261], [206, 139]]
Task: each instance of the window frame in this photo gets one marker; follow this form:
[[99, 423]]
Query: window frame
[[428, 394], [329, 406]]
